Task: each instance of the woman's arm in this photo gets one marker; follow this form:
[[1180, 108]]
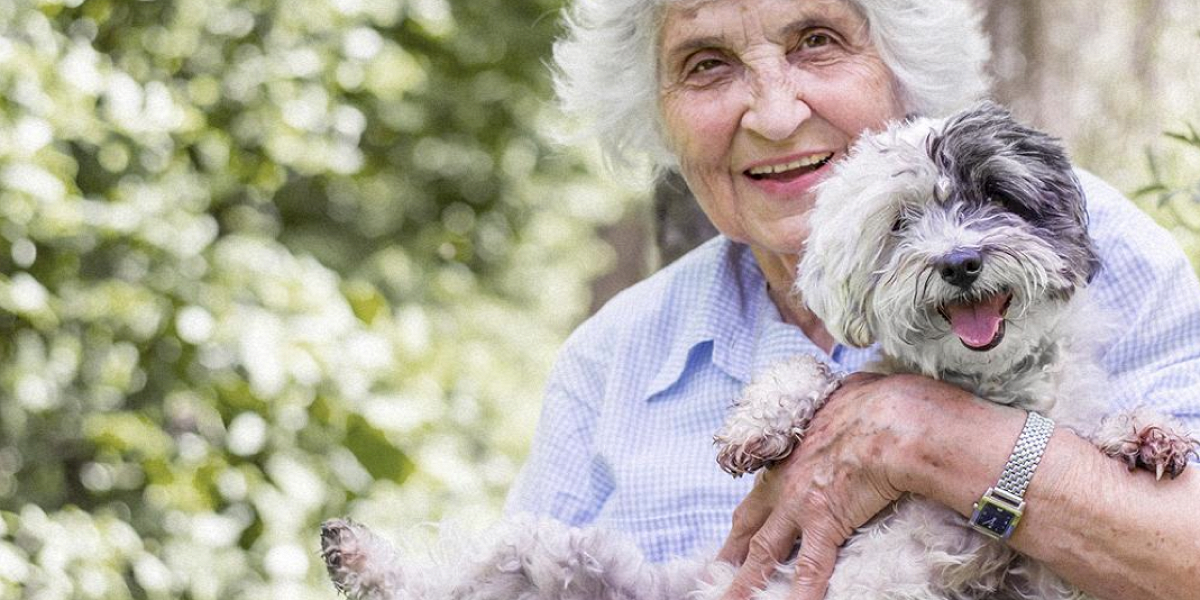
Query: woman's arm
[[1113, 533]]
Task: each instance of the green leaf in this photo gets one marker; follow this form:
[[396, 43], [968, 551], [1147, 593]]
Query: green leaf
[[128, 433], [366, 301], [378, 456]]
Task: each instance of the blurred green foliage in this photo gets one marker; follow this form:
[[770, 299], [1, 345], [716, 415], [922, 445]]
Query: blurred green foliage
[[264, 263], [1172, 194], [1161, 187]]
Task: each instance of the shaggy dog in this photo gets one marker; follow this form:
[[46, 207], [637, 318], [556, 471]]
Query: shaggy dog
[[975, 273]]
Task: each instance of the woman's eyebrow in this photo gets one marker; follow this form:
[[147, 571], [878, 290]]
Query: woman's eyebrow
[[798, 26], [690, 45], [687, 46]]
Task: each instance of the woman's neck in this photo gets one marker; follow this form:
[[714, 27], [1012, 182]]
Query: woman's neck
[[780, 272]]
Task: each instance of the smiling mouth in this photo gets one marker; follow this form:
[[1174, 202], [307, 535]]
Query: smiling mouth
[[791, 170], [978, 323]]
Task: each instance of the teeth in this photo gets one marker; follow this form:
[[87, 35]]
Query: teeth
[[796, 164]]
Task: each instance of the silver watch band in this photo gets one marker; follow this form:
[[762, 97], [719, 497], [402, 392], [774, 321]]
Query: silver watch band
[[1026, 455]]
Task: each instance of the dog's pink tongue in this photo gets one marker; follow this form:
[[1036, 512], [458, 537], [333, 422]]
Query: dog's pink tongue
[[976, 324]]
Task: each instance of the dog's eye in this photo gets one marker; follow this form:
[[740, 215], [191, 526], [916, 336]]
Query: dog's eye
[[1017, 208], [899, 224]]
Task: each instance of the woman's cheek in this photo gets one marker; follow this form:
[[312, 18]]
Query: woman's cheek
[[699, 122]]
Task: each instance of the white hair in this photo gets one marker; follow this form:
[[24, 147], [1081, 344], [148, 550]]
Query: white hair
[[605, 65]]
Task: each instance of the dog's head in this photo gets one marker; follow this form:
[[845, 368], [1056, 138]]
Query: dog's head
[[953, 243]]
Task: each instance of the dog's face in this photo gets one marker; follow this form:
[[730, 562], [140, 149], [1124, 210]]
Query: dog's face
[[954, 244]]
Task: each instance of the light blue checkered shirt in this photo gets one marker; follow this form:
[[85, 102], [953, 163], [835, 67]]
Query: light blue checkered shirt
[[625, 437]]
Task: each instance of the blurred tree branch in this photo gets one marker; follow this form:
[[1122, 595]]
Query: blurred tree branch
[[1165, 189]]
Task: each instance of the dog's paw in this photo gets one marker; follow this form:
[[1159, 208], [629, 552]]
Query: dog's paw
[[1142, 439], [361, 565], [752, 453], [341, 549], [772, 413], [1158, 449]]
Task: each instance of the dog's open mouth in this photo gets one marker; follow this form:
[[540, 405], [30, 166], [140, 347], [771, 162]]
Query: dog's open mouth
[[979, 324]]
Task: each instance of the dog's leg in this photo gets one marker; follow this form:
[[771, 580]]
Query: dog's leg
[[1028, 578], [524, 556], [537, 558], [1143, 438], [918, 550], [361, 565], [772, 413]]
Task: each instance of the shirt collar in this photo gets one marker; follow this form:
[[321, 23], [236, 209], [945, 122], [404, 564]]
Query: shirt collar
[[717, 318], [733, 323]]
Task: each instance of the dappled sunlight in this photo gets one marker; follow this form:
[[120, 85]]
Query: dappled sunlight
[[262, 264]]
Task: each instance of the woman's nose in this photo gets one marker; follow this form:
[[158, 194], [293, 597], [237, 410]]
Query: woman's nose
[[776, 108]]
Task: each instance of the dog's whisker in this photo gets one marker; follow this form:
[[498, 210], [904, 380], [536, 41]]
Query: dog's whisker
[[929, 273]]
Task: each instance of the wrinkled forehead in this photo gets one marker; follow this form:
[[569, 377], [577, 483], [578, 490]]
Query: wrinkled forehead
[[687, 24], [692, 5], [732, 15]]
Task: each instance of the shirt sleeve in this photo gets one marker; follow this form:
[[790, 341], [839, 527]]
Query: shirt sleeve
[[564, 478], [1151, 288]]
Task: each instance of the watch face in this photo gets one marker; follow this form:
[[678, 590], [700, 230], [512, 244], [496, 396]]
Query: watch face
[[995, 518]]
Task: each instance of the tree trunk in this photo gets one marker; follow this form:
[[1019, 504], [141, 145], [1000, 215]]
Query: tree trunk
[[679, 224]]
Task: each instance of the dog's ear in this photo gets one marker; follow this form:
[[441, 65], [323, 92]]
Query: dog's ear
[[829, 276], [848, 225], [1029, 170], [836, 298]]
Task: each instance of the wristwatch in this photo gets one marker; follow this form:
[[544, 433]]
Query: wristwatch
[[998, 511]]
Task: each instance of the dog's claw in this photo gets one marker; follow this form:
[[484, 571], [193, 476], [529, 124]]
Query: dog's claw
[[1157, 449]]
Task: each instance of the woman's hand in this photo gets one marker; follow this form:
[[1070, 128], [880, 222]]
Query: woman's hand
[[844, 472]]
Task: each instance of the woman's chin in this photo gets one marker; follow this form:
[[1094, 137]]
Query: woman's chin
[[786, 237]]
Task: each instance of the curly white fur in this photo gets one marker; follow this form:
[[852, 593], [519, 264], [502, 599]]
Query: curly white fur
[[921, 191], [772, 413]]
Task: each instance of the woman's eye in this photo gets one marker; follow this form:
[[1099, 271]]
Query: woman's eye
[[703, 65], [816, 46], [816, 40]]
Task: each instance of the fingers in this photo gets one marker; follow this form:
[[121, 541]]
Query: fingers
[[748, 518], [767, 548], [814, 567]]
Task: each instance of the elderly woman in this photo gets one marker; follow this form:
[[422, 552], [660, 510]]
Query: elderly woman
[[751, 100]]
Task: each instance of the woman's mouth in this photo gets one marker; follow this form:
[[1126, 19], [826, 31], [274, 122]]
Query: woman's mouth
[[789, 170]]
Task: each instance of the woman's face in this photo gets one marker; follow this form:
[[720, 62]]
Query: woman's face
[[758, 97]]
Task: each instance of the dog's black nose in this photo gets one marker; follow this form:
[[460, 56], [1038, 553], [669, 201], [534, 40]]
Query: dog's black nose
[[961, 268]]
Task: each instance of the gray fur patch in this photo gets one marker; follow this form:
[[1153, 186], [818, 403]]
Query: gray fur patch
[[988, 158]]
